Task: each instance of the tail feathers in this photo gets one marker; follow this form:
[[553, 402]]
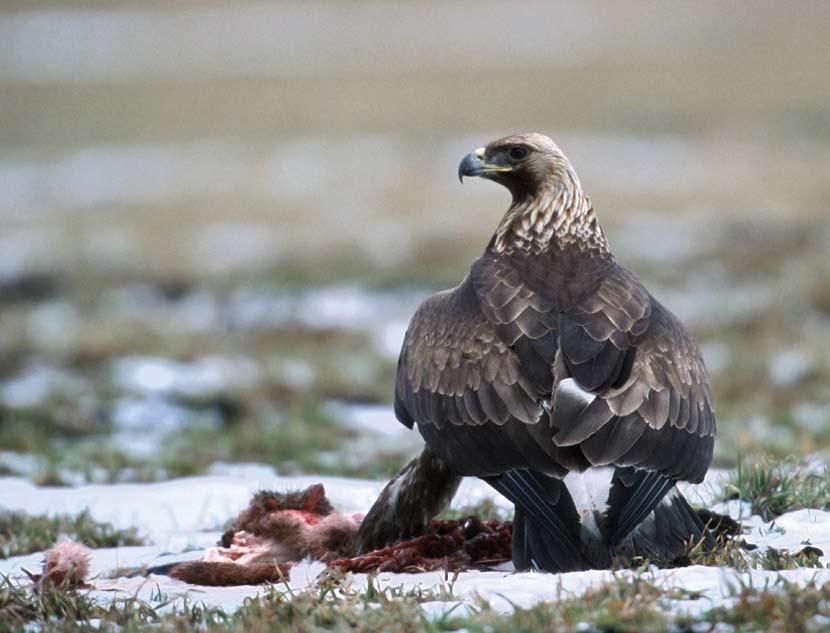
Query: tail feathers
[[520, 545], [224, 574], [548, 531], [667, 534], [549, 535], [632, 497], [544, 554]]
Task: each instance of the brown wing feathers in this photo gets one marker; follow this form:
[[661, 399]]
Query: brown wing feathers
[[597, 335], [454, 369], [620, 346], [650, 389]]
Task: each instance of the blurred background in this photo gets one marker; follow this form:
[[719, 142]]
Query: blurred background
[[217, 218]]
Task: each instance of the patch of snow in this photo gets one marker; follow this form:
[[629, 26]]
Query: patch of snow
[[377, 419], [793, 531], [205, 376], [813, 416], [304, 574], [136, 173], [379, 431], [388, 338], [345, 306], [789, 367], [816, 463], [341, 306], [161, 510], [193, 504], [383, 314], [37, 383], [142, 424], [54, 324], [28, 249], [196, 311], [661, 239], [137, 414], [735, 508], [248, 309], [474, 492], [440, 609], [216, 247], [250, 470], [21, 464], [770, 432], [715, 300], [503, 590], [293, 372], [705, 493], [716, 355]]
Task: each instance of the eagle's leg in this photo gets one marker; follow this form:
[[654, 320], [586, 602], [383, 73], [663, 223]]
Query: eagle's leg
[[422, 489]]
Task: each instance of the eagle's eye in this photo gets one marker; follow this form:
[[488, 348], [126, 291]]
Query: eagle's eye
[[517, 152]]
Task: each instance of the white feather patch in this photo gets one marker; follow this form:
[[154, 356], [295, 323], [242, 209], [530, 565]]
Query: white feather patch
[[589, 491], [570, 389]]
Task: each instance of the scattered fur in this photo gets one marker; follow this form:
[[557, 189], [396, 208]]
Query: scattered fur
[[66, 566]]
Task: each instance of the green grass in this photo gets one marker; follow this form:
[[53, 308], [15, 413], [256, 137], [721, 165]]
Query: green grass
[[40, 429], [622, 605], [296, 440], [22, 534], [787, 608], [773, 489], [735, 553]]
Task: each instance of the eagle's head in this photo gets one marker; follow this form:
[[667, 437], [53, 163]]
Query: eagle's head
[[548, 206], [524, 163]]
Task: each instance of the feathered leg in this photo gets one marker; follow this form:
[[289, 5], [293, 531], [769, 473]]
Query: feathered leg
[[421, 489]]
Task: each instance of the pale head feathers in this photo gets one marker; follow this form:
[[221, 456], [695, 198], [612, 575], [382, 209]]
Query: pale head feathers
[[549, 205]]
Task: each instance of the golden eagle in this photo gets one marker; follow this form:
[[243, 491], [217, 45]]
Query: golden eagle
[[548, 368]]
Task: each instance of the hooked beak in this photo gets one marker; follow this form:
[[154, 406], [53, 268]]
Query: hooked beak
[[473, 165]]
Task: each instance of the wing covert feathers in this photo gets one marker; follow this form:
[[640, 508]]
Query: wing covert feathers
[[653, 406], [454, 368]]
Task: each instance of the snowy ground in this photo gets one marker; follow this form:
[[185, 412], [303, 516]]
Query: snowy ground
[[180, 517]]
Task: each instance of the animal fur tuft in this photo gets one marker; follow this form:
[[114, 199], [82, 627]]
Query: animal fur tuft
[[66, 565]]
